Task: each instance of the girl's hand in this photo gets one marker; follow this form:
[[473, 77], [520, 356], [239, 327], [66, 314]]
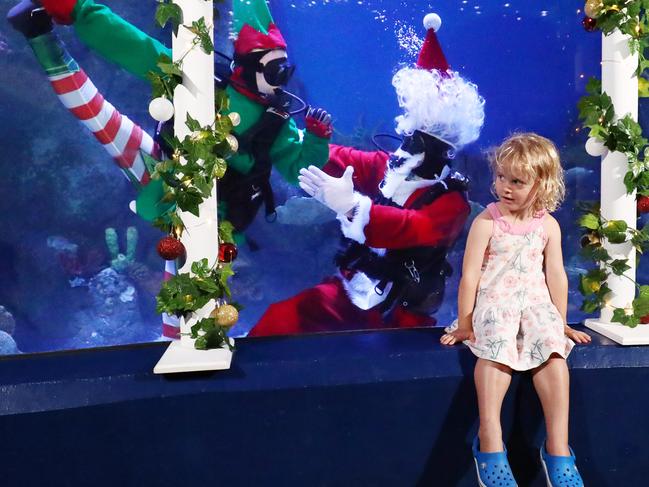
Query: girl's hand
[[457, 336], [576, 336]]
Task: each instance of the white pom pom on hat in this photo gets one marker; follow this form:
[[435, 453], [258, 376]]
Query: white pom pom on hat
[[435, 99], [431, 55], [432, 21]]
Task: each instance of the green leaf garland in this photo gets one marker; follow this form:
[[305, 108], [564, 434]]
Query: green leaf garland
[[188, 177]]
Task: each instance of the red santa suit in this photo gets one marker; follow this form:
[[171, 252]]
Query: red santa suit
[[403, 213], [394, 215]]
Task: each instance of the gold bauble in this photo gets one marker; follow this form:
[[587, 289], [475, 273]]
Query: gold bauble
[[200, 135], [225, 315], [593, 8]]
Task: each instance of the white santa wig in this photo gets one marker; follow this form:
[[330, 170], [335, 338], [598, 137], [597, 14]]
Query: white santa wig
[[445, 106]]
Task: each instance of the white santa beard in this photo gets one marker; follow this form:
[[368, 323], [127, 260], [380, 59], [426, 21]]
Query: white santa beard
[[394, 177], [397, 188]]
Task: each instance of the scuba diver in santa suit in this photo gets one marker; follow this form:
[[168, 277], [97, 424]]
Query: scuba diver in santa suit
[[268, 136], [399, 213]]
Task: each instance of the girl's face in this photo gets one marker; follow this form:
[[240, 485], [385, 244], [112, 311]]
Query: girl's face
[[514, 190]]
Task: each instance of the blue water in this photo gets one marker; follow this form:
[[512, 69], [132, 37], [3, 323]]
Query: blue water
[[60, 191]]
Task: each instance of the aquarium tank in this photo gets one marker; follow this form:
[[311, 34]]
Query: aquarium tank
[[79, 269]]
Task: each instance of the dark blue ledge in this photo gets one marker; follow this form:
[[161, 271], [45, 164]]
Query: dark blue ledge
[[43, 382], [386, 408]]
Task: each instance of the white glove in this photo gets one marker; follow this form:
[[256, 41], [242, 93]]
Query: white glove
[[336, 193]]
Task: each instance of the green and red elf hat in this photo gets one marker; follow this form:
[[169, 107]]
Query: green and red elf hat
[[431, 55], [254, 27]]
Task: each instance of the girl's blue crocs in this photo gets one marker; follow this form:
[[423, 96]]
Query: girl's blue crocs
[[560, 471], [493, 468]]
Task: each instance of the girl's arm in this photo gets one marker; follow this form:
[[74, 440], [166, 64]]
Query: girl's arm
[[476, 245], [555, 274], [556, 278]]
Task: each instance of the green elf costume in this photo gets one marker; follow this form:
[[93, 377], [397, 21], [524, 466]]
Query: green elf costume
[[268, 136]]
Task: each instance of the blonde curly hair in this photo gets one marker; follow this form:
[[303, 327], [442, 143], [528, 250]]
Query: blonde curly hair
[[533, 158]]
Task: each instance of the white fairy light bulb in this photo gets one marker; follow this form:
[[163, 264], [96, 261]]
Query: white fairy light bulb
[[234, 143], [595, 147], [161, 109], [235, 118]]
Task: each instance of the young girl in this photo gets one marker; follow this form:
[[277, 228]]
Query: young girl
[[512, 305]]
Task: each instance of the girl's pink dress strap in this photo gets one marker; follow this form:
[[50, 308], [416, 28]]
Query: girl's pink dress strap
[[494, 211], [535, 223]]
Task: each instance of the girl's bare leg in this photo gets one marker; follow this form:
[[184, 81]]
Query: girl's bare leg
[[552, 384], [491, 382]]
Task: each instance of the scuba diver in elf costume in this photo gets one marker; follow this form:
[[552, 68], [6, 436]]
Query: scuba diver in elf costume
[[268, 136], [400, 213]]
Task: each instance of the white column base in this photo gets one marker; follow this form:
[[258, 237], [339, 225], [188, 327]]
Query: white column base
[[179, 358], [619, 333]]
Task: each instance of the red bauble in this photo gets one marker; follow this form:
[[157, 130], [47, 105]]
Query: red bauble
[[643, 204], [589, 23], [170, 248], [227, 252], [645, 320]]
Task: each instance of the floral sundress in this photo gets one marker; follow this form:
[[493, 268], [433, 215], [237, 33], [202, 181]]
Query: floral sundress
[[514, 320]]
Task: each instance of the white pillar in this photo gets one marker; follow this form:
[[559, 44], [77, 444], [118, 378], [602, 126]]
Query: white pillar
[[196, 97], [621, 84]]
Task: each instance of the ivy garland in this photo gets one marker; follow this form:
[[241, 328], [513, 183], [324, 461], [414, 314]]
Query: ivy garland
[[188, 178], [623, 135]]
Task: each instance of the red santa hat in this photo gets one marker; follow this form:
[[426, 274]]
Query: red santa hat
[[250, 39], [436, 100], [431, 55]]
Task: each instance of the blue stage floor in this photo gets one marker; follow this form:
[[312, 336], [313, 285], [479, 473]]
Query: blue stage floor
[[391, 408]]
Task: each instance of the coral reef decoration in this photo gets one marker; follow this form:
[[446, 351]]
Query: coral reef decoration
[[589, 23], [227, 252], [121, 261], [7, 322], [225, 315], [643, 204], [170, 248]]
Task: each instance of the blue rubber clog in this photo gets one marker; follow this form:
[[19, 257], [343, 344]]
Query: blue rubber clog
[[493, 468], [560, 471]]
